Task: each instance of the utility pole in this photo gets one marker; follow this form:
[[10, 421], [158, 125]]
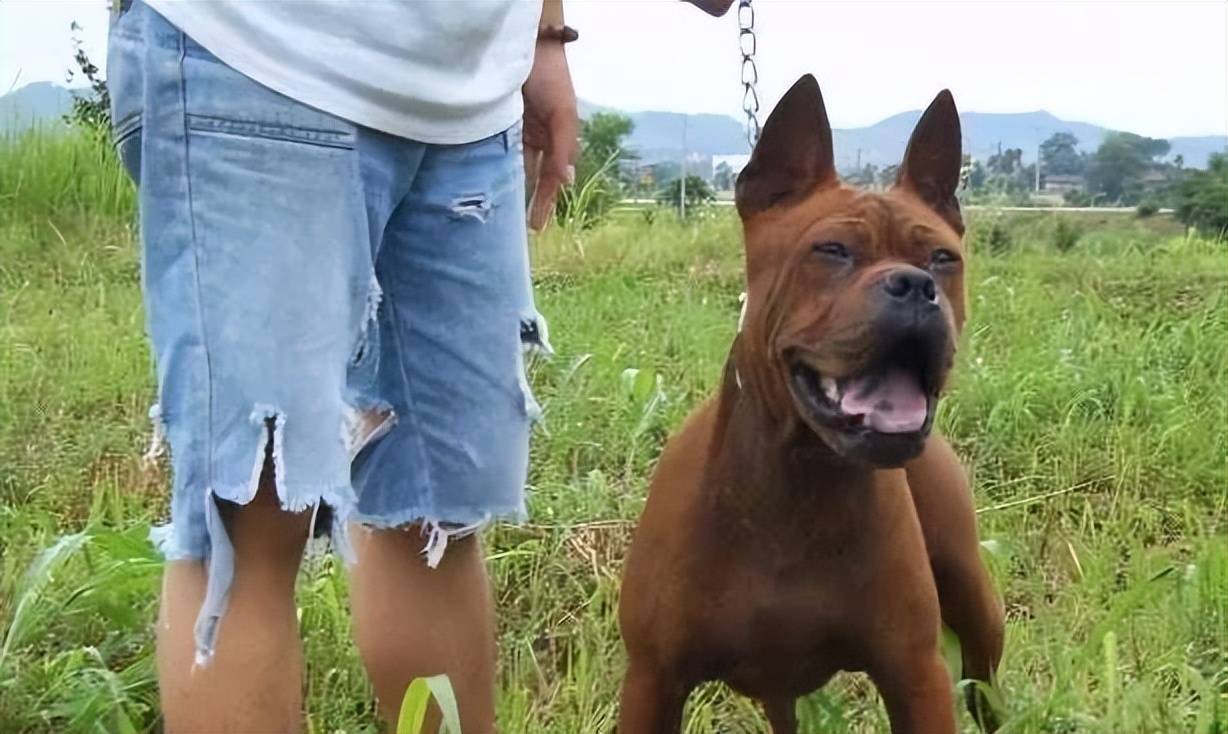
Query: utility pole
[[1038, 168], [682, 198], [1037, 129]]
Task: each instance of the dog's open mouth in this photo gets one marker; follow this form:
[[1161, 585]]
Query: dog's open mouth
[[894, 395]]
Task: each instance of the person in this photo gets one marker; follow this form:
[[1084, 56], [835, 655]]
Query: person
[[336, 279]]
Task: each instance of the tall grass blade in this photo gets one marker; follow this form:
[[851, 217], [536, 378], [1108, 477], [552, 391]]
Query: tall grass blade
[[445, 698], [413, 707], [39, 575]]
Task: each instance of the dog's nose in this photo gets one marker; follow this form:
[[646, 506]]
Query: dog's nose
[[910, 283]]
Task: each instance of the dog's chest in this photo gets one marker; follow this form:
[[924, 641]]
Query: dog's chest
[[785, 628]]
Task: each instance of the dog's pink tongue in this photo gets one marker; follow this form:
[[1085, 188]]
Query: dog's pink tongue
[[892, 403]]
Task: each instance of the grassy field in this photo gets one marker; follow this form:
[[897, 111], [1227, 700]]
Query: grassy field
[[1090, 404]]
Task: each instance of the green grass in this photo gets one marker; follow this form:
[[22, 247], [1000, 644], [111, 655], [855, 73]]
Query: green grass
[[1089, 403]]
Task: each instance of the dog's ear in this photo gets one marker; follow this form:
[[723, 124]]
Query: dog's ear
[[793, 155], [932, 160]]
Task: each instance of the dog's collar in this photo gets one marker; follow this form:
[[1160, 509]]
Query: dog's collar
[[737, 378]]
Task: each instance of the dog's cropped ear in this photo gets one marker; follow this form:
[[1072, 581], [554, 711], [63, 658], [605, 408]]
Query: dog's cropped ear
[[932, 160], [794, 153]]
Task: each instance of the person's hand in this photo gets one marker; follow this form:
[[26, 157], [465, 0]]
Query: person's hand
[[550, 131]]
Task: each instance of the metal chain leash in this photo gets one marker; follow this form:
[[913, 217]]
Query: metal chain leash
[[750, 74]]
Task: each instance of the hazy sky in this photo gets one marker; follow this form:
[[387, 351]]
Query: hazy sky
[[1158, 68]]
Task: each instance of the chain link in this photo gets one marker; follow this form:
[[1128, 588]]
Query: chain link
[[750, 74]]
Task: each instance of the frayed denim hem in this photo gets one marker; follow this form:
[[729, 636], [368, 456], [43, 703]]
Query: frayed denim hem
[[219, 556], [438, 531]]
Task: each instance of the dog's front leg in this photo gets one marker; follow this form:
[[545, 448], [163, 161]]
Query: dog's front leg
[[652, 700], [918, 696], [970, 606]]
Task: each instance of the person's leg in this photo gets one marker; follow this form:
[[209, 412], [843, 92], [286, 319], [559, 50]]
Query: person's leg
[[456, 316], [254, 682], [411, 620], [256, 270]]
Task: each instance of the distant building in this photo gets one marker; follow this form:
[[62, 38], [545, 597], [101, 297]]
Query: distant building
[[1060, 183], [1155, 178], [646, 178]]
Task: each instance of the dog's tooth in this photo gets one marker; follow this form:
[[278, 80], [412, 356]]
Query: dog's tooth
[[830, 388]]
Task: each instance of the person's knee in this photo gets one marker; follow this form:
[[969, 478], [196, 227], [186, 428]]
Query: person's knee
[[266, 537], [407, 548]]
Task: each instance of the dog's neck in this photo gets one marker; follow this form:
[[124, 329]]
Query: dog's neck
[[768, 468]]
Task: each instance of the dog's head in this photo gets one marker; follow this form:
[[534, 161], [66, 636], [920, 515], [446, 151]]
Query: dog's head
[[855, 298]]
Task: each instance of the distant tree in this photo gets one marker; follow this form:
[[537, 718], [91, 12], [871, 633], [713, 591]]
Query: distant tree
[[867, 176], [603, 138], [887, 174], [1201, 197], [91, 109], [599, 182], [1003, 175], [1076, 197], [698, 192], [1005, 163], [1026, 178], [977, 176], [1059, 154], [1153, 148], [666, 171], [722, 177], [1116, 170]]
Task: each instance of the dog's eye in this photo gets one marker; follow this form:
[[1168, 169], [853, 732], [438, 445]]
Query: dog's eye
[[834, 250], [942, 256]]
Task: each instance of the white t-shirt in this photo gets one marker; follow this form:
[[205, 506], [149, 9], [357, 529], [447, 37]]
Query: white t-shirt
[[438, 71]]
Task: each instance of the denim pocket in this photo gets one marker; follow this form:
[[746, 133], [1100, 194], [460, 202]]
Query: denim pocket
[[126, 135], [268, 131], [126, 51], [221, 101]]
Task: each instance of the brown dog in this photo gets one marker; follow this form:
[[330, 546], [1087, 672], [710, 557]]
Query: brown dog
[[804, 521]]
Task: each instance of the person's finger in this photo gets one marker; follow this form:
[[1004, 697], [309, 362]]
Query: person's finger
[[544, 197], [532, 171], [557, 166], [553, 175], [565, 135]]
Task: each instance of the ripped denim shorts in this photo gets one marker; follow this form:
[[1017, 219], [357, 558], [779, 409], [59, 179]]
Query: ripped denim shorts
[[356, 304]]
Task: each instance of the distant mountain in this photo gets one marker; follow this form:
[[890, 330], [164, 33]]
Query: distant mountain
[[658, 136], [38, 103], [1195, 150], [983, 132]]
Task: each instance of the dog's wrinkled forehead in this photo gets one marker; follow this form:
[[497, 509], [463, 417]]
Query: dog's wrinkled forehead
[[883, 225], [877, 225], [790, 181]]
